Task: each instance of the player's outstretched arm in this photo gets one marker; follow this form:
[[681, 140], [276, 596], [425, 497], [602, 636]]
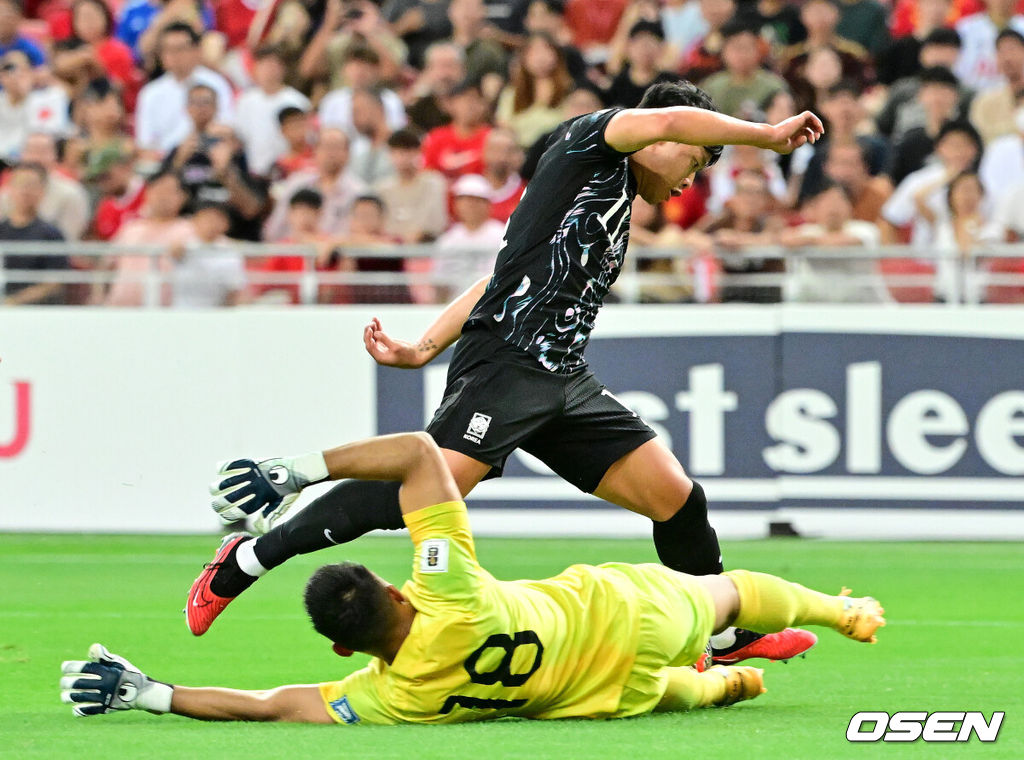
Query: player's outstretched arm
[[444, 331], [636, 128], [107, 682]]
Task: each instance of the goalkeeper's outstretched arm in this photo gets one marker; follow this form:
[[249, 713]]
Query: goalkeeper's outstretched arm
[[291, 704]]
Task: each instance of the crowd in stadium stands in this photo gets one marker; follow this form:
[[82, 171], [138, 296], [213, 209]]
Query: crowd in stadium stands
[[350, 124]]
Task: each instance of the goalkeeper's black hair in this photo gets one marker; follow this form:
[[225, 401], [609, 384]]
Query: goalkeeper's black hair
[[349, 605], [681, 93]]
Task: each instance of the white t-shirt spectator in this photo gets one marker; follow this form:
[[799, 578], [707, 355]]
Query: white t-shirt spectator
[[465, 255], [161, 117], [900, 209], [1002, 165], [257, 125], [207, 275], [43, 110], [337, 208], [336, 110], [976, 66], [842, 279]]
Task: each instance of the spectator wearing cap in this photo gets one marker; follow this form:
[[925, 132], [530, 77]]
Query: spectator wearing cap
[[361, 70], [26, 186], [530, 104], [992, 111], [957, 149], [159, 223], [704, 58], [120, 188], [939, 98], [1002, 166], [299, 153], [206, 270], [485, 59], [93, 53], [25, 110], [468, 250], [11, 39], [258, 108], [864, 22], [902, 111], [348, 25], [161, 120], [65, 203], [371, 159], [821, 18], [902, 57], [977, 67], [443, 71], [502, 159], [415, 199], [743, 85], [645, 50], [457, 148], [331, 177]]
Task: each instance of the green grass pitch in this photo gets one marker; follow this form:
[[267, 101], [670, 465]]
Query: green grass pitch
[[954, 642]]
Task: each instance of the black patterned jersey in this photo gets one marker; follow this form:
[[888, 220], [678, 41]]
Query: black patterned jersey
[[563, 247]]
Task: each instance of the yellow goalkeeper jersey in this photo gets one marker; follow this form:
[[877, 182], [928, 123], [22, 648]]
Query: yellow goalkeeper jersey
[[590, 642]]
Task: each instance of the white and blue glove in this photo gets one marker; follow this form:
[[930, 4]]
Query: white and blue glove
[[269, 487], [108, 683]]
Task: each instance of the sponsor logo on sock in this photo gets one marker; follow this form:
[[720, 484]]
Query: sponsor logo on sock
[[477, 427], [278, 475], [935, 727]]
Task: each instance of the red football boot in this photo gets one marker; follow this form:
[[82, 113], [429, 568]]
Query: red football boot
[[203, 605], [770, 646]]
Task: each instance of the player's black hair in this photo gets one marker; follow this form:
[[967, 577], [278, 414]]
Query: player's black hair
[[405, 139], [942, 36], [289, 112], [938, 75], [307, 196], [349, 605], [681, 93], [1009, 34], [180, 27]]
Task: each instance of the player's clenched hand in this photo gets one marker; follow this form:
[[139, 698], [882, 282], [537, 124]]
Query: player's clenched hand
[[389, 352], [788, 135], [244, 487], [107, 682]]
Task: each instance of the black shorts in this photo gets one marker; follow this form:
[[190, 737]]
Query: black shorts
[[499, 398]]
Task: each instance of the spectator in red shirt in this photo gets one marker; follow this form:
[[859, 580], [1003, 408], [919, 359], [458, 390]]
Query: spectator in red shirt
[[92, 53], [502, 160], [457, 149], [295, 128], [593, 22], [122, 191]]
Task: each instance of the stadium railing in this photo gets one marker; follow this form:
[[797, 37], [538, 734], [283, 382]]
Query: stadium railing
[[886, 274]]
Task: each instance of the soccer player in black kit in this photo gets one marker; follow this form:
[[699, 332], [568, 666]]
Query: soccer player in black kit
[[518, 378]]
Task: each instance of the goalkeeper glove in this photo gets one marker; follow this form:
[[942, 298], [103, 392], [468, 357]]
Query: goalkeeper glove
[[269, 487], [107, 682]]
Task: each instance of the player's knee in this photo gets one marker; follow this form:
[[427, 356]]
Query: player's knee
[[667, 498]]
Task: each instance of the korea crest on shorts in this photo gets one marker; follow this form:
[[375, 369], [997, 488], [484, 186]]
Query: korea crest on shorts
[[477, 427]]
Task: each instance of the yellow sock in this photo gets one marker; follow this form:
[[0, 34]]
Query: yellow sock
[[769, 604], [688, 689]]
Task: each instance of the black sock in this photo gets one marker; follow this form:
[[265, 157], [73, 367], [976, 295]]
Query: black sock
[[347, 511], [686, 542]]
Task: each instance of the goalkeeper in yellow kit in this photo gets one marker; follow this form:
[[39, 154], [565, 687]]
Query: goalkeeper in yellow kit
[[456, 645]]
